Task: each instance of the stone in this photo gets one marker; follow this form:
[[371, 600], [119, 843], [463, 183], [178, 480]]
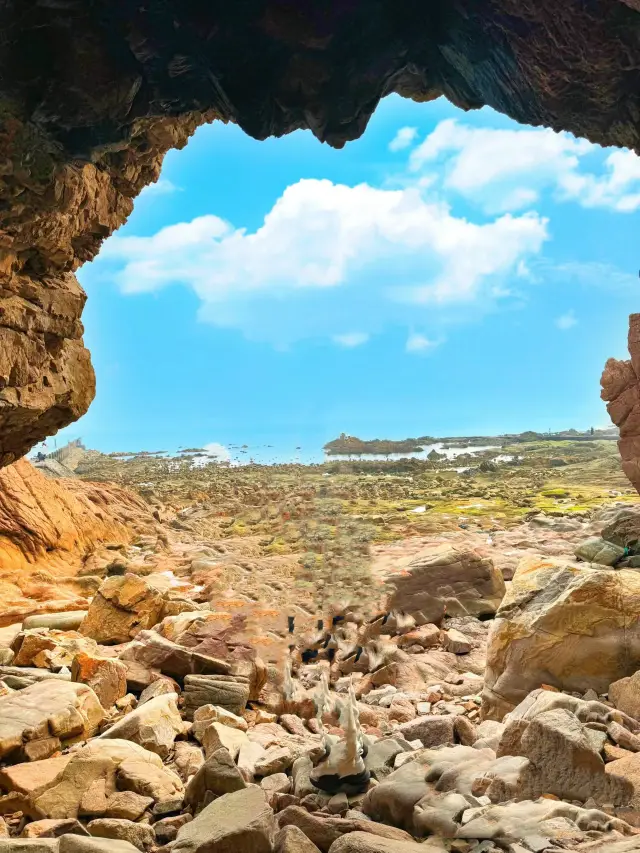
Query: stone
[[427, 636], [248, 757], [50, 709], [149, 780], [226, 691], [152, 651], [82, 844], [623, 737], [138, 834], [53, 828], [364, 842], [188, 758], [122, 607], [207, 714], [290, 839], [465, 731], [69, 621], [107, 677], [166, 829], [596, 550], [218, 775], [276, 759], [561, 624], [446, 578], [127, 805], [431, 731], [42, 647], [381, 754], [625, 695], [278, 783], [153, 725], [241, 822], [628, 768], [162, 686], [547, 749], [323, 829], [217, 735], [32, 777], [456, 642], [623, 528]]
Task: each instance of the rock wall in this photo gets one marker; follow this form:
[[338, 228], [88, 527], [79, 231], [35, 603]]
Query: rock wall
[[621, 389], [48, 528], [93, 95]]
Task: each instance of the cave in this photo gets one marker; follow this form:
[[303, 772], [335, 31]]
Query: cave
[[94, 95]]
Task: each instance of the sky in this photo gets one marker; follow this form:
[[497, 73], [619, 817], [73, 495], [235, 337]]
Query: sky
[[448, 273]]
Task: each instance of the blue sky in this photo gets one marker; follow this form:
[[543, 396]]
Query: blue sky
[[448, 273]]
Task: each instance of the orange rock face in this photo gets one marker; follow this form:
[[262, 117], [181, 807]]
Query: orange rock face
[[621, 389], [47, 528]]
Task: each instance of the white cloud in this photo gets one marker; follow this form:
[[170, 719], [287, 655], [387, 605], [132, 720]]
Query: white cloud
[[403, 138], [419, 343], [596, 274], [403, 247], [163, 186], [566, 321], [351, 339], [507, 169]]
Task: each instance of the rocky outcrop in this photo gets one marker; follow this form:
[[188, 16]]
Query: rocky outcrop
[[621, 389], [571, 626], [446, 580], [94, 96], [47, 529]]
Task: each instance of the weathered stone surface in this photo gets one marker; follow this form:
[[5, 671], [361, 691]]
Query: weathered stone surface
[[122, 607], [153, 725], [229, 692], [625, 695], [107, 677], [155, 652], [138, 834], [596, 550], [364, 842], [241, 822], [621, 389], [290, 839], [217, 776], [69, 621], [432, 731], [448, 579], [217, 735], [324, 829], [552, 751], [51, 709], [33, 776], [127, 805], [561, 624]]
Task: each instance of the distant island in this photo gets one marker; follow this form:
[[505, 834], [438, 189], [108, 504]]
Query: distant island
[[351, 445]]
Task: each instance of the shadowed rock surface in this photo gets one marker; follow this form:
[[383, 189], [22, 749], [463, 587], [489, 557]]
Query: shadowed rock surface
[[94, 95]]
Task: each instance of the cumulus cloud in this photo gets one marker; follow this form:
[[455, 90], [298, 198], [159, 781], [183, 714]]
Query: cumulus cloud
[[351, 339], [403, 138], [566, 321], [403, 247], [507, 169], [419, 343]]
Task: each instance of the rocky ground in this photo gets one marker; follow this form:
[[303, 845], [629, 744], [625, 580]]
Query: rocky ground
[[284, 661]]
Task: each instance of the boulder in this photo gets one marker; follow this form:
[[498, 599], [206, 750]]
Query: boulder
[[207, 714], [33, 776], [140, 835], [188, 758], [241, 822], [50, 712], [546, 748], [596, 550], [324, 829], [217, 776], [290, 839], [42, 647], [623, 528], [154, 725], [431, 731], [456, 642], [446, 578], [625, 695], [107, 677], [95, 771], [561, 624], [81, 844], [123, 606], [53, 828], [217, 735], [69, 621], [364, 842], [228, 691], [127, 805], [154, 652]]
